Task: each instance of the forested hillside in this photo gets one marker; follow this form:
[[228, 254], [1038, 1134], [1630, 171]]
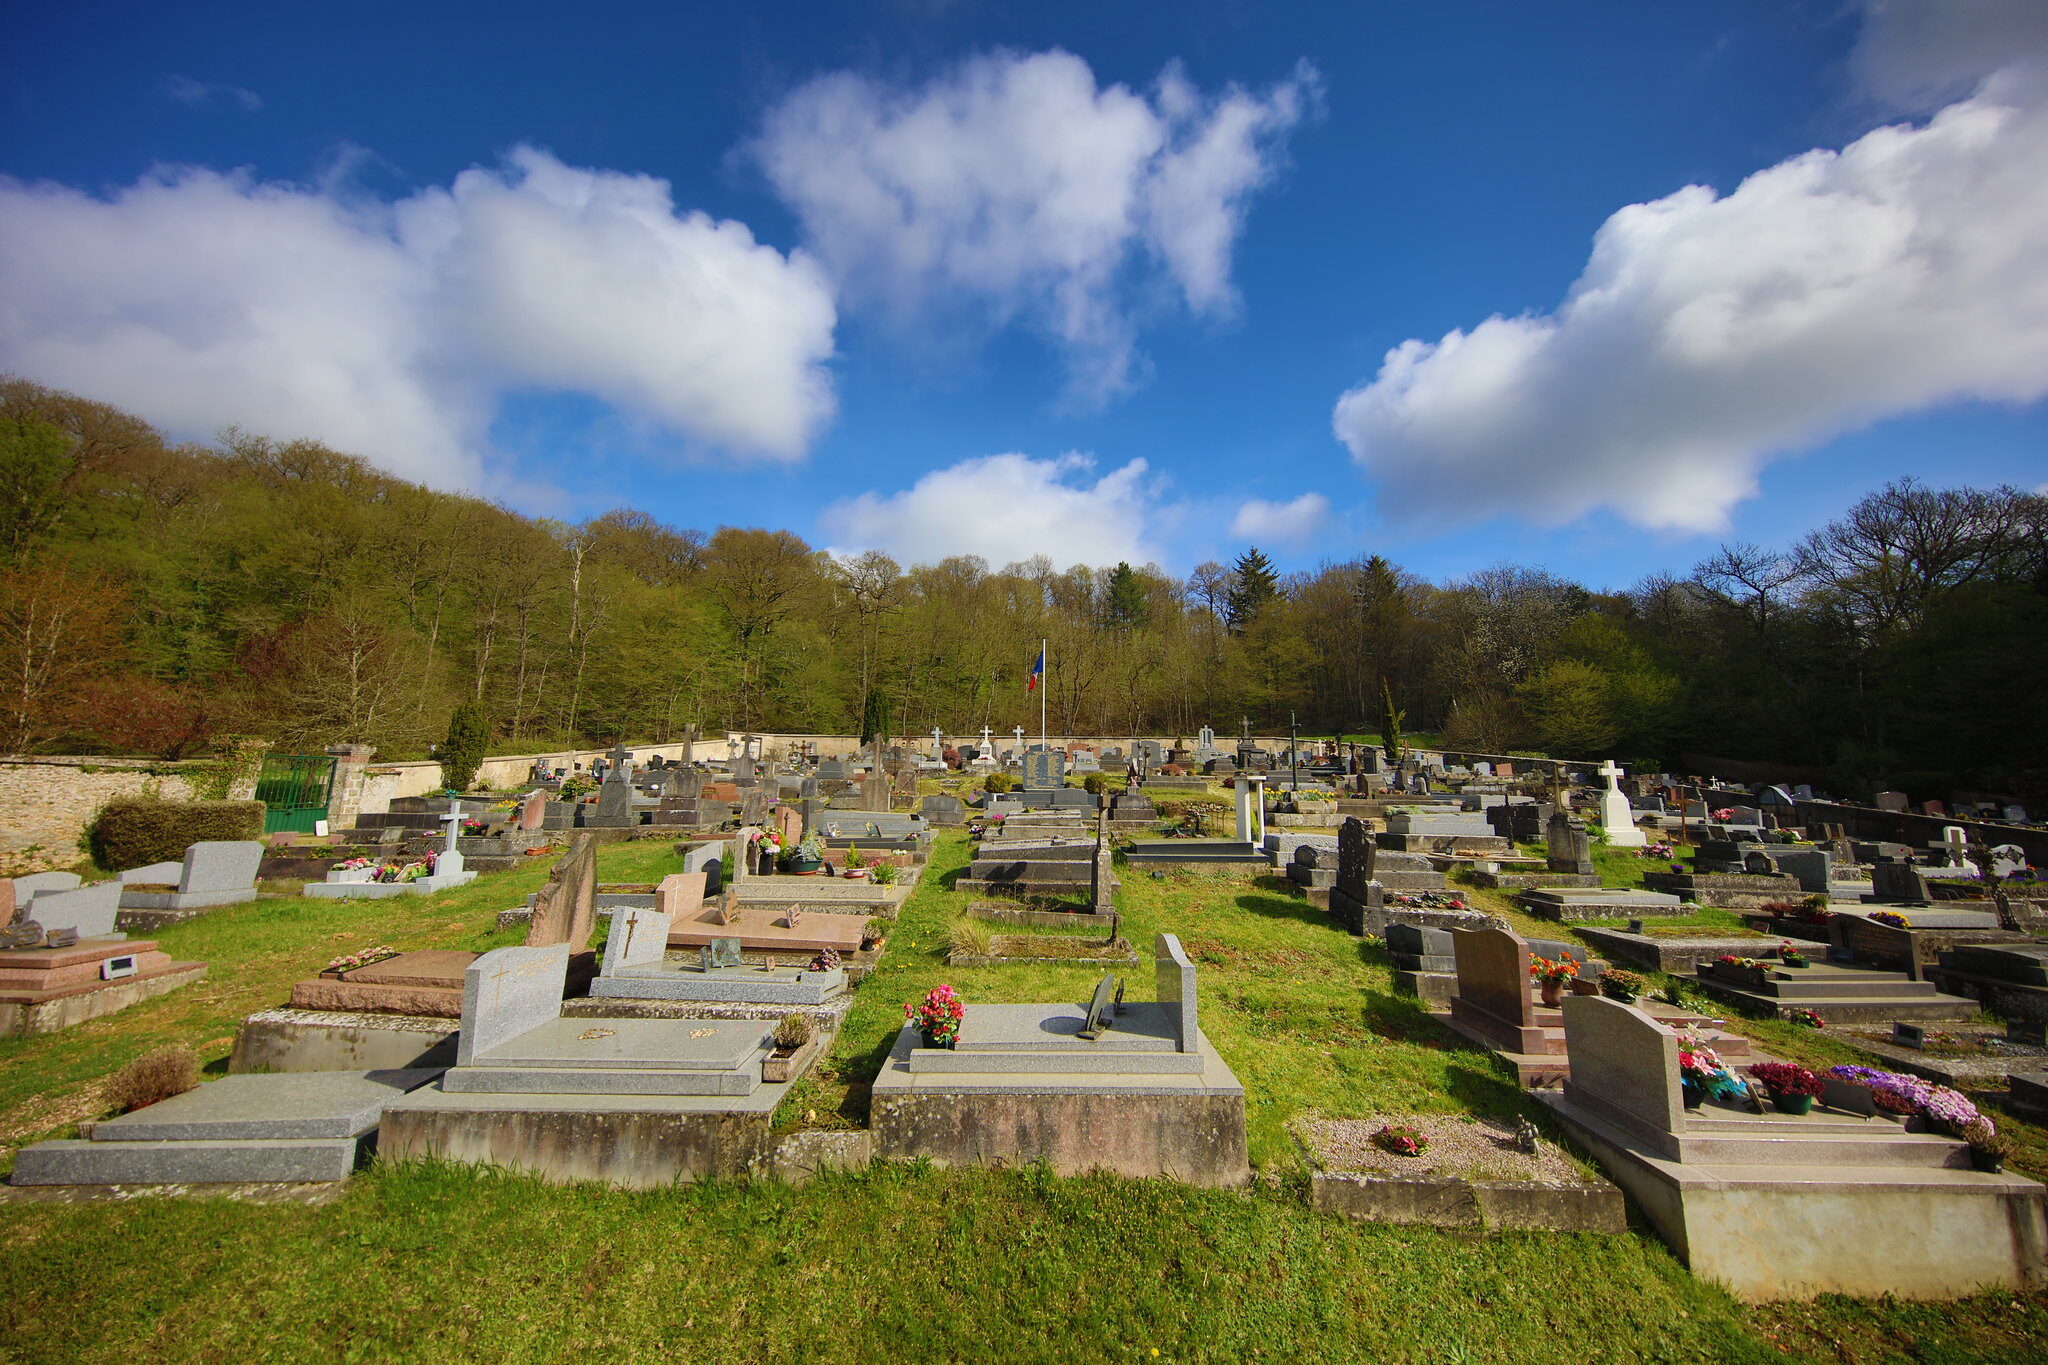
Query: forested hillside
[[156, 597]]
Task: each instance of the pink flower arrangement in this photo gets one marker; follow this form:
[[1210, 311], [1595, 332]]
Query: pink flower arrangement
[[361, 959], [1901, 1093], [1400, 1140], [938, 1016]]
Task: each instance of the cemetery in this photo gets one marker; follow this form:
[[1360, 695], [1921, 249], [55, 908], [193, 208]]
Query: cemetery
[[638, 1010]]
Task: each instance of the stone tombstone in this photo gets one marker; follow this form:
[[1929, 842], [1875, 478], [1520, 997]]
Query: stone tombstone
[[1149, 753], [1176, 989], [1356, 854], [874, 791], [565, 910], [221, 865], [1624, 1066], [1101, 879], [679, 896], [87, 911], [1814, 867], [708, 859], [1759, 864], [507, 992], [1044, 769], [1891, 801], [533, 811], [1895, 881], [1933, 808], [788, 825], [638, 938], [1493, 974], [1569, 849], [37, 883]]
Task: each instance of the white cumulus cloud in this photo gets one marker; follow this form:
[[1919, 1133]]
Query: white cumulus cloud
[[1709, 334], [1294, 522], [1007, 508], [198, 298], [1017, 184]]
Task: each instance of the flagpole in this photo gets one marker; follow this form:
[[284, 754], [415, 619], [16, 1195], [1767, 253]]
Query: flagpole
[[1044, 686]]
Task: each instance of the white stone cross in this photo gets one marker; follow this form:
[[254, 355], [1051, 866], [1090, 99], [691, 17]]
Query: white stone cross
[[453, 819], [1019, 733], [938, 742], [986, 735], [1612, 774]]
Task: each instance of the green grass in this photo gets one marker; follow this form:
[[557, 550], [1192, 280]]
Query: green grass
[[436, 1263]]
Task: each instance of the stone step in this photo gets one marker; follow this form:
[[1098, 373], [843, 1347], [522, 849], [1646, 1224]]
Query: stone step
[[196, 1162], [1846, 988], [1837, 1150], [523, 1080]]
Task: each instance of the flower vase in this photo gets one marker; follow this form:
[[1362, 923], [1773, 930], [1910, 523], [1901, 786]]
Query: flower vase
[[1792, 1104], [1553, 991], [1989, 1162], [1693, 1095], [931, 1040]]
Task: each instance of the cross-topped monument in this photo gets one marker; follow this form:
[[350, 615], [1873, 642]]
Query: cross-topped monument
[[1617, 817], [938, 742], [1019, 733]]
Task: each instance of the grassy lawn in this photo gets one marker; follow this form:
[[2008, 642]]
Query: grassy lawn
[[438, 1263]]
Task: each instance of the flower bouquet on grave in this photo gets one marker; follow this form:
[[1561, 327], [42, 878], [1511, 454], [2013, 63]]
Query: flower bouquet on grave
[[412, 872], [364, 958], [1806, 1019], [1654, 851], [1790, 954], [388, 872], [1793, 1088], [1552, 973], [1890, 918], [1724, 815], [1702, 1073], [938, 1016], [1400, 1139]]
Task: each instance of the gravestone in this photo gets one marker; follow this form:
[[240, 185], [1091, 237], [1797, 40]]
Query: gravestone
[[679, 895], [1101, 879], [1894, 881], [638, 938], [1891, 801], [1356, 853], [720, 952], [565, 909], [614, 808], [507, 992], [1813, 867], [1569, 850], [1493, 979], [1175, 977], [1149, 753], [533, 811], [1044, 769], [1624, 1068]]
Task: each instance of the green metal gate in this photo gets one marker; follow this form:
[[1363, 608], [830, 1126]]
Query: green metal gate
[[294, 789]]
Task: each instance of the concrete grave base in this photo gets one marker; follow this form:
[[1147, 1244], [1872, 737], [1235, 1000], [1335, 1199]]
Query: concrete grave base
[[1444, 1202], [633, 1141], [328, 1040], [31, 1015], [242, 1191], [1769, 1232], [1188, 1127]]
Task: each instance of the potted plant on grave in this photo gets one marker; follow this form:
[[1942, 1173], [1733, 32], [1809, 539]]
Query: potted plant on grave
[[806, 858], [1793, 1088], [1746, 970], [856, 868], [938, 1017], [353, 870], [1891, 919], [1988, 1147], [1619, 984], [1551, 974], [1791, 954], [883, 874], [796, 1037]]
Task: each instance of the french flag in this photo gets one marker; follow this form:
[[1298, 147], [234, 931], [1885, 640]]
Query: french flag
[[1037, 672]]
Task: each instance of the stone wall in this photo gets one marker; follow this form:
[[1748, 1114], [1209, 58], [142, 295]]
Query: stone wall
[[46, 802]]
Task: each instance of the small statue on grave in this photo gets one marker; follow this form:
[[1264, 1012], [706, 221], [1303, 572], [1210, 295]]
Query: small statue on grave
[[1526, 1137]]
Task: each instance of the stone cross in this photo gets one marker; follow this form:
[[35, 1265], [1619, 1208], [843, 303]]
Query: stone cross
[[938, 742], [453, 819], [1019, 733], [1611, 773], [621, 759], [986, 735]]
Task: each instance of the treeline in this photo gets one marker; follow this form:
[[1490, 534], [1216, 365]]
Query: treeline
[[155, 598]]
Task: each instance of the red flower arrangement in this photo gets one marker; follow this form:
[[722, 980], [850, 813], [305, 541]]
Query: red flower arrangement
[[1787, 1078], [1552, 969], [1400, 1139], [938, 1016]]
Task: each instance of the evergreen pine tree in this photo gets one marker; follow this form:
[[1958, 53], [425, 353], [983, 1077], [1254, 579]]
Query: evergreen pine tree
[[1124, 604], [462, 753], [1253, 585], [874, 716]]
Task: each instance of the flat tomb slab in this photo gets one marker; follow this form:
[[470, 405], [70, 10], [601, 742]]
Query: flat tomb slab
[[436, 967], [763, 930], [1142, 1026], [631, 1044], [309, 1104], [286, 1160], [297, 1040], [732, 985]]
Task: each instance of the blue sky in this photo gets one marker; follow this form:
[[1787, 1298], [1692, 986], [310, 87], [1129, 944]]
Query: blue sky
[[1094, 281]]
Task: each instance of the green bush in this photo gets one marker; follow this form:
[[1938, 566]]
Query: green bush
[[462, 753], [132, 830], [998, 783], [1096, 783]]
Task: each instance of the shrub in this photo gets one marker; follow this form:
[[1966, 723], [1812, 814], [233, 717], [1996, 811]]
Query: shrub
[[998, 783], [132, 830], [462, 753], [970, 937], [884, 874], [794, 1031], [155, 1075], [1095, 783], [1627, 982]]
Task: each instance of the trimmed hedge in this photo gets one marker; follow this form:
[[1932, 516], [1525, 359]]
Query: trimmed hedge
[[130, 831]]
